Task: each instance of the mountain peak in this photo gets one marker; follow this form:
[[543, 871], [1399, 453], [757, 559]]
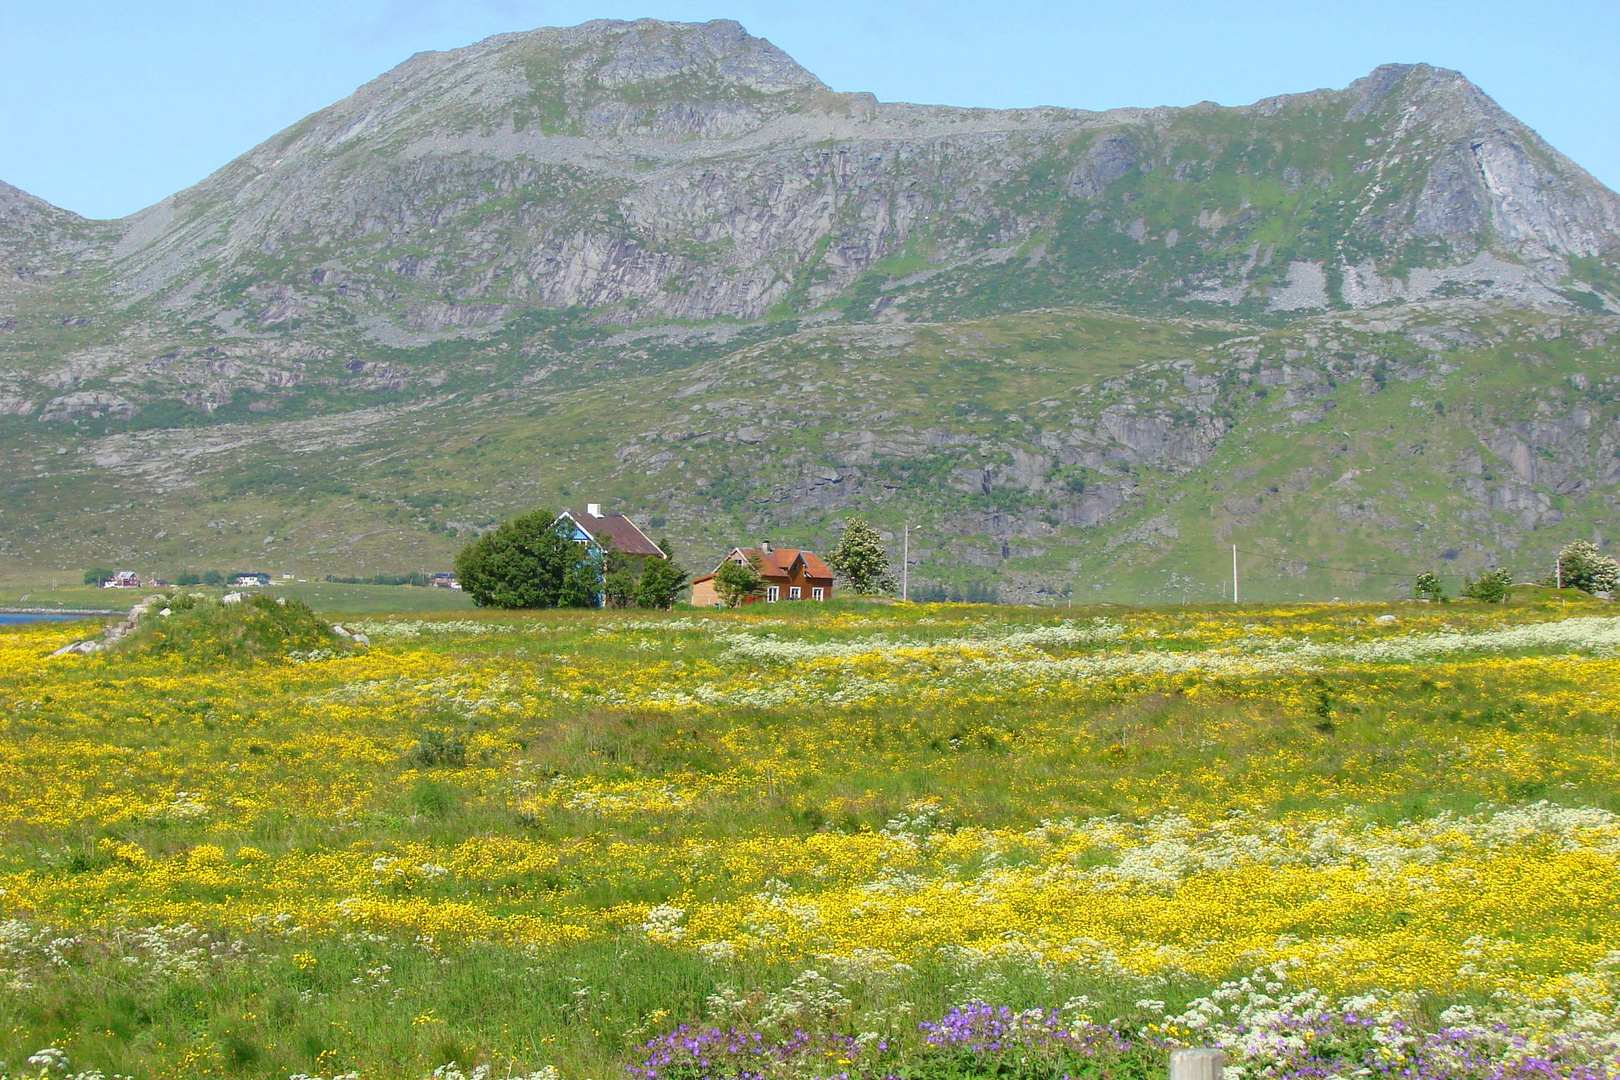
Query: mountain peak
[[18, 207], [616, 54]]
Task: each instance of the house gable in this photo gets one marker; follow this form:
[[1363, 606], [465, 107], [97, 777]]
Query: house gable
[[626, 537], [788, 574]]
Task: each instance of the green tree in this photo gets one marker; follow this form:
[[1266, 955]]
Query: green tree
[[661, 580], [858, 557], [1582, 566], [582, 580], [1428, 587], [522, 563], [97, 576], [188, 578], [618, 577], [213, 577], [1491, 587], [736, 582]]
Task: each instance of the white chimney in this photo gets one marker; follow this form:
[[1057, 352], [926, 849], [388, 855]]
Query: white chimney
[[765, 546], [593, 509]]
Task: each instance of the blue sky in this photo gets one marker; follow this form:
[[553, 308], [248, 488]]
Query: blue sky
[[109, 106]]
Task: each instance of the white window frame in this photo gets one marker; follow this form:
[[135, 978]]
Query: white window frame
[[795, 593], [817, 593], [773, 593]]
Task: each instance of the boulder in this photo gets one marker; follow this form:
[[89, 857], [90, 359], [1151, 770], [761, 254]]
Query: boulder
[[79, 648]]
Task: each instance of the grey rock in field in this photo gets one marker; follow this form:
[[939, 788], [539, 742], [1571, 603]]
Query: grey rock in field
[[79, 648], [1385, 620]]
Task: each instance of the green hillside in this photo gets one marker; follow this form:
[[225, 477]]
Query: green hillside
[[663, 267], [1051, 454]]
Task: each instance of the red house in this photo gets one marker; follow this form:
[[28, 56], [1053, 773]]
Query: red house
[[789, 574]]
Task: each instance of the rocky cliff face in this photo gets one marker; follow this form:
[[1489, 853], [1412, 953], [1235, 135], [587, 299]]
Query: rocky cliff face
[[651, 171], [492, 229]]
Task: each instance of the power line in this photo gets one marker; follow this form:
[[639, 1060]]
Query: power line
[[1325, 566]]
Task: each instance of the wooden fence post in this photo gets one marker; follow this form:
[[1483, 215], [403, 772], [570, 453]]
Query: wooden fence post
[[1197, 1064]]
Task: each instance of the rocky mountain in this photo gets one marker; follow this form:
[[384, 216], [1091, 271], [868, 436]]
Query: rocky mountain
[[1092, 312]]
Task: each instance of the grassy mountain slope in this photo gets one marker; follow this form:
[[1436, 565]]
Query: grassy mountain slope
[[664, 267], [1051, 453]]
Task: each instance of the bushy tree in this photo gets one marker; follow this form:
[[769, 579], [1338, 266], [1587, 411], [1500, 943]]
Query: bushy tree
[[858, 557], [97, 575], [1491, 587], [213, 577], [618, 578], [1428, 587], [661, 581], [582, 581], [735, 582], [526, 563], [1582, 566]]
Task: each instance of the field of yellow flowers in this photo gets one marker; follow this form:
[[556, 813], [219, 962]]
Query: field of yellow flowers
[[930, 841]]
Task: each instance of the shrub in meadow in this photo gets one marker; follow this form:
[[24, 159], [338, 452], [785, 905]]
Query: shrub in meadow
[[859, 558], [1428, 587], [1582, 566], [1491, 587]]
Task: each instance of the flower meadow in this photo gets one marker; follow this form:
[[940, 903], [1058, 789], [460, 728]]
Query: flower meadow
[[823, 841]]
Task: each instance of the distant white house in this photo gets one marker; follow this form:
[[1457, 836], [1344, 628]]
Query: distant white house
[[250, 579]]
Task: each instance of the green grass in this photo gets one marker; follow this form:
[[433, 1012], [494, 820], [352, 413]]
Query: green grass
[[201, 630], [325, 597], [158, 809]]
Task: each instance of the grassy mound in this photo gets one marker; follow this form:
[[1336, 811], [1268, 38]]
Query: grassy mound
[[205, 630]]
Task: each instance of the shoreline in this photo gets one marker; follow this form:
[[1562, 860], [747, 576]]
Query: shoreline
[[10, 610]]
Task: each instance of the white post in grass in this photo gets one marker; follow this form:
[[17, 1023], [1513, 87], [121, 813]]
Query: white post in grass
[[1234, 574], [1197, 1064], [905, 567]]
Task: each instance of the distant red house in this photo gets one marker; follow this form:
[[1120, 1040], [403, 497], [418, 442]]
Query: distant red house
[[125, 579], [789, 574]]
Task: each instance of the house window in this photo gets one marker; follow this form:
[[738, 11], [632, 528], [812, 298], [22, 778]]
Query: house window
[[793, 592], [773, 593], [818, 593]]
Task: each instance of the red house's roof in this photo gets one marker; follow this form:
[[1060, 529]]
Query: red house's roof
[[778, 563]]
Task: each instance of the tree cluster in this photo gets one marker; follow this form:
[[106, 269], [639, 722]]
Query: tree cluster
[[642, 581], [533, 561]]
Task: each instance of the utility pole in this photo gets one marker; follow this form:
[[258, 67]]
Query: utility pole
[[1558, 569], [905, 565], [1234, 574]]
